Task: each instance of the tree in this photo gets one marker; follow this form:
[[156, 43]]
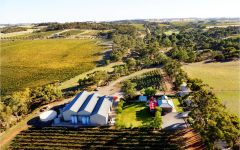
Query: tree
[[157, 121], [98, 77], [129, 89], [150, 91], [46, 93], [167, 42], [131, 63], [5, 115], [19, 102]]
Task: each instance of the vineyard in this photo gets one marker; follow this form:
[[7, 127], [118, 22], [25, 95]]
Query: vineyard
[[95, 138], [149, 79], [30, 63], [31, 36], [71, 32]]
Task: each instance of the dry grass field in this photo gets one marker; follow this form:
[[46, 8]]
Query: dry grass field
[[224, 78]]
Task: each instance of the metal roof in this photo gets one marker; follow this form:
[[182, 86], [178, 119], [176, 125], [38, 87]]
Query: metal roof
[[89, 103], [77, 102], [165, 103], [102, 106]]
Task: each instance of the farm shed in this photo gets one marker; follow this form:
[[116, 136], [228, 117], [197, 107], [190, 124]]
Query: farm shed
[[88, 108], [166, 105], [100, 113]]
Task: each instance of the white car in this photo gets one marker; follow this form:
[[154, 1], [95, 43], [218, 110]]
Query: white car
[[111, 121]]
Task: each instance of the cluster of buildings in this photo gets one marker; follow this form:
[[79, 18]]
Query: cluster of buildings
[[164, 102]]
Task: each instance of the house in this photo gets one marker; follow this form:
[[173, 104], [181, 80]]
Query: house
[[88, 109], [166, 104], [152, 104], [184, 90], [142, 98]]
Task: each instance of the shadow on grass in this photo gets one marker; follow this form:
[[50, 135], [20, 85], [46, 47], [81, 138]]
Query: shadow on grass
[[144, 115], [142, 111], [133, 104]]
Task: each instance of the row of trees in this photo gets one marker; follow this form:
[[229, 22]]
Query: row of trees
[[16, 106], [209, 115], [12, 29]]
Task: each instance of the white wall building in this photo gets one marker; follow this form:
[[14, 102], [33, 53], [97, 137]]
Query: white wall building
[[88, 108]]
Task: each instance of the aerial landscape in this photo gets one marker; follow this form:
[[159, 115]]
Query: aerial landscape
[[108, 75]]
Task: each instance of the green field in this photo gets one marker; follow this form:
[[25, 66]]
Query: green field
[[28, 63], [138, 26], [71, 32], [169, 32], [135, 114], [223, 77], [177, 105]]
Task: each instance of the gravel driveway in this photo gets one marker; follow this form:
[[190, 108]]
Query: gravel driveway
[[173, 121]]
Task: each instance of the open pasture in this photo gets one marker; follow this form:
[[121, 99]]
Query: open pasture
[[224, 78], [29, 63]]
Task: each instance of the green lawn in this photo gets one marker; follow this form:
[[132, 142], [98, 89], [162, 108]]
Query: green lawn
[[223, 77], [177, 105], [28, 63], [135, 114]]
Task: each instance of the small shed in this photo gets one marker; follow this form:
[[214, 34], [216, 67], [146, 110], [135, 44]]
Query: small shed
[[164, 97], [166, 105], [142, 98]]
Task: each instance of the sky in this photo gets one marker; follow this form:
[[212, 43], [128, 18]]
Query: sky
[[35, 11]]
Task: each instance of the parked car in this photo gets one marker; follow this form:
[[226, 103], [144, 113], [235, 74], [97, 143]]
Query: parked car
[[111, 121]]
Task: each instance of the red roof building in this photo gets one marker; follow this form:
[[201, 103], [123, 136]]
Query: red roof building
[[152, 104]]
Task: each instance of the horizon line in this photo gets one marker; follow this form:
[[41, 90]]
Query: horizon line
[[142, 19]]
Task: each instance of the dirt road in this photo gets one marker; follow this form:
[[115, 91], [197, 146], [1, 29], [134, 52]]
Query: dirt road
[[114, 87]]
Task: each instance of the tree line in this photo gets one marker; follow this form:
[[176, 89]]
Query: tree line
[[16, 106], [12, 29], [208, 115]]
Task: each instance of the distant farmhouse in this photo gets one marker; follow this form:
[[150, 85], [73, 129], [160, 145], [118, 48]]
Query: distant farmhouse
[[88, 109]]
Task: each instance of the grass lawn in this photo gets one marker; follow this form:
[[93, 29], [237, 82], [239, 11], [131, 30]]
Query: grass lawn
[[223, 77], [177, 105], [135, 114], [28, 63]]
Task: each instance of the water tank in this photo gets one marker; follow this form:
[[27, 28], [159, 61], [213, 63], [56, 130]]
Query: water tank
[[48, 115]]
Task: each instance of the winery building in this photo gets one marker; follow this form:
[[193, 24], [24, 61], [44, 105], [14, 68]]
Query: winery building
[[88, 109]]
